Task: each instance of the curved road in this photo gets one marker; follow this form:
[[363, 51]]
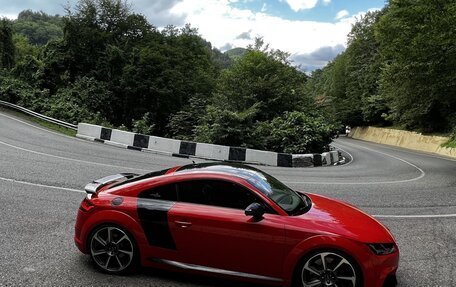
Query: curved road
[[42, 174]]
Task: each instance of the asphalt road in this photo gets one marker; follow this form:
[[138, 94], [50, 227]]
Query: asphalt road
[[42, 173]]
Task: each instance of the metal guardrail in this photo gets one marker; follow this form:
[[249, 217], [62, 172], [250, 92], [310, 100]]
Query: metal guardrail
[[40, 116]]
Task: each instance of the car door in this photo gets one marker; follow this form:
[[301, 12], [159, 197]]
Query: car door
[[209, 225], [153, 206]]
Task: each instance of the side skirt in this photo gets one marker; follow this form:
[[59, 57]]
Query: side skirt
[[194, 267]]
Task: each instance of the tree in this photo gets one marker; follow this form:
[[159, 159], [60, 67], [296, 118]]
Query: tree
[[363, 66], [417, 44], [253, 95], [38, 27], [7, 49]]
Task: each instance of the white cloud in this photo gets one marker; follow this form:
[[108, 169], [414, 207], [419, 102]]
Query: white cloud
[[8, 16], [342, 14], [225, 26], [326, 2], [264, 7], [297, 5]]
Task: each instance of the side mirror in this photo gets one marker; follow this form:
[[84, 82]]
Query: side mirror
[[256, 210]]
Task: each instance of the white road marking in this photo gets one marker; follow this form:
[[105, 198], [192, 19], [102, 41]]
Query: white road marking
[[41, 185], [352, 158], [401, 149], [416, 216], [422, 174], [70, 159]]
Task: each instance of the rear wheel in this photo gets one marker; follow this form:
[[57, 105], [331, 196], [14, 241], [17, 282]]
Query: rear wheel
[[328, 269], [112, 249]]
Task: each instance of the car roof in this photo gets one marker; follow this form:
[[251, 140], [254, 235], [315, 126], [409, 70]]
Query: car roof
[[233, 169]]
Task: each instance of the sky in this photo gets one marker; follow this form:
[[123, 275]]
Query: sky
[[312, 31]]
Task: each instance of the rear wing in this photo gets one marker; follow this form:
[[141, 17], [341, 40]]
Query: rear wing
[[94, 186]]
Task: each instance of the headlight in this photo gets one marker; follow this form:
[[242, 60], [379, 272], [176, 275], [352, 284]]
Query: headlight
[[382, 248]]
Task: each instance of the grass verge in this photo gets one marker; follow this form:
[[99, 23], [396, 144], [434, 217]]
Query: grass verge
[[451, 143], [50, 126]]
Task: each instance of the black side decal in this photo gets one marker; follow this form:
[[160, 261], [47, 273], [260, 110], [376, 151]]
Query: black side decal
[[154, 220]]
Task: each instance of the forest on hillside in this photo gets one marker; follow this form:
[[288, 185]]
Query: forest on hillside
[[101, 63]]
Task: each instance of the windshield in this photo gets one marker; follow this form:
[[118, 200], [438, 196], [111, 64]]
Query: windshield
[[289, 200]]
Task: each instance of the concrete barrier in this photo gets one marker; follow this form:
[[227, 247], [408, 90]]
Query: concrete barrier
[[405, 139], [303, 160], [212, 151], [325, 159], [182, 148], [122, 137], [164, 144], [260, 156], [334, 156], [317, 159], [89, 130]]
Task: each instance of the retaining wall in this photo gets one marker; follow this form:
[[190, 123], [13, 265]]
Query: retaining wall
[[405, 139]]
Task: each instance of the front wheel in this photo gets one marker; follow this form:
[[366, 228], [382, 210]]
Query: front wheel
[[328, 269], [112, 249]]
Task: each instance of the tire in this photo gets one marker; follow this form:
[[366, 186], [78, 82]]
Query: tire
[[327, 268], [113, 249]]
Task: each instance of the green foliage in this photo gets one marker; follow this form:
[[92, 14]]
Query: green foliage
[[7, 48], [143, 125], [13, 90], [182, 124], [348, 87], [24, 48], [417, 40], [224, 127], [260, 102], [398, 69], [87, 99], [261, 78], [295, 132], [38, 27], [236, 53]]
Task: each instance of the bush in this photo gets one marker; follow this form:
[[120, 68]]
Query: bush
[[143, 125], [295, 132], [13, 90], [226, 127]]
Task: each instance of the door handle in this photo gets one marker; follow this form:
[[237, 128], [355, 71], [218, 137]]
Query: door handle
[[183, 224]]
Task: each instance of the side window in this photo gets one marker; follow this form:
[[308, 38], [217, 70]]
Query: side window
[[163, 192], [192, 191], [216, 193]]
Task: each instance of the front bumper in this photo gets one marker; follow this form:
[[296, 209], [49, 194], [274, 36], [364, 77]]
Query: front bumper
[[383, 271]]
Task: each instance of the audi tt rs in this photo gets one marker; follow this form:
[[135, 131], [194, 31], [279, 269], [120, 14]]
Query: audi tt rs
[[235, 221]]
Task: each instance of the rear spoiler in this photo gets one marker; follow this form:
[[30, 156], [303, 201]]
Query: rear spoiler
[[94, 186]]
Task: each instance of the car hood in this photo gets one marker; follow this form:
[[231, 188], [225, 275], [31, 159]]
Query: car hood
[[330, 216]]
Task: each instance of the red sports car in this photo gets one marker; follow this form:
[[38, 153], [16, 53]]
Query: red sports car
[[235, 221]]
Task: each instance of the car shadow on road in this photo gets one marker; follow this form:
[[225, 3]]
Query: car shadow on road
[[158, 277], [194, 279]]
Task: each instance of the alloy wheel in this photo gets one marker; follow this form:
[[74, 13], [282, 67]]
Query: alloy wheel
[[112, 249], [328, 269]]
